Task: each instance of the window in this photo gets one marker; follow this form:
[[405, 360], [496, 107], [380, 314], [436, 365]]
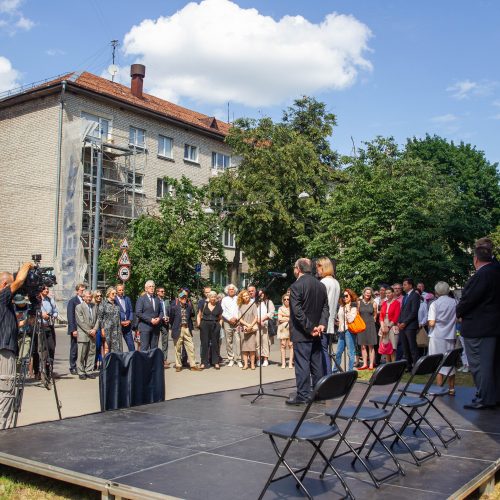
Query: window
[[165, 146], [139, 180], [101, 126], [228, 239], [218, 278], [163, 189], [190, 153], [220, 161], [137, 137]]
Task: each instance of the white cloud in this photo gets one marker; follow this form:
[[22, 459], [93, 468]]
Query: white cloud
[[8, 75], [448, 118], [216, 51], [467, 88], [12, 18]]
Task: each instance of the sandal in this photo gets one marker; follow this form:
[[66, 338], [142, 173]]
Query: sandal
[[283, 366], [451, 392], [217, 367], [245, 368]]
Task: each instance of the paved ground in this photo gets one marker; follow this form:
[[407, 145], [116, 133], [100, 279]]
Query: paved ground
[[79, 397]]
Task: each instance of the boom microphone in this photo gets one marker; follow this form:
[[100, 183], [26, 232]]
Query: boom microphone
[[276, 274]]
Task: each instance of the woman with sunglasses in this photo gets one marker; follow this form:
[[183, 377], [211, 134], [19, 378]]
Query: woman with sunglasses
[[97, 299], [347, 314], [109, 319], [284, 331]]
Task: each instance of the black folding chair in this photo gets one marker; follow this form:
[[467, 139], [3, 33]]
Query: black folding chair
[[450, 361], [369, 416], [336, 385], [409, 405]]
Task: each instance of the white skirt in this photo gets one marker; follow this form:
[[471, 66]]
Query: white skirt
[[440, 346]]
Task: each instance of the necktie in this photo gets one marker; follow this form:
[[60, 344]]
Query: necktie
[[405, 299], [90, 313], [152, 302]]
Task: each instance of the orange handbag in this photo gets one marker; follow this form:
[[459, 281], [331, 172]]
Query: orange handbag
[[358, 325]]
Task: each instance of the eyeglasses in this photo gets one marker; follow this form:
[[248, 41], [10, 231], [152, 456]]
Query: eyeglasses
[[286, 299], [346, 295], [98, 296]]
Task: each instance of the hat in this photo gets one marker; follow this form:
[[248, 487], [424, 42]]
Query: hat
[[20, 300], [182, 294]]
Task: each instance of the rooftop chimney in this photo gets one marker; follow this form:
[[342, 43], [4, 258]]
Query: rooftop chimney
[[137, 72]]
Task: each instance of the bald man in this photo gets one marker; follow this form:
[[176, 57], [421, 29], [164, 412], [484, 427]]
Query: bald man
[[8, 341]]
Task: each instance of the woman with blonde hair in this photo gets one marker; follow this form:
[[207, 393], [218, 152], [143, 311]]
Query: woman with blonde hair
[[367, 339], [247, 323], [97, 299], [284, 331], [109, 318], [347, 313]]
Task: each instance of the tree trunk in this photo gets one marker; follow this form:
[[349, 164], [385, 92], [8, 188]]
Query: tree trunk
[[235, 267]]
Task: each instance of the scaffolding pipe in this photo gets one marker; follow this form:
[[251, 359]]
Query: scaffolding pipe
[[91, 194], [95, 256]]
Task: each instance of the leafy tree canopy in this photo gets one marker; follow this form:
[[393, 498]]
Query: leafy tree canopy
[[167, 245]]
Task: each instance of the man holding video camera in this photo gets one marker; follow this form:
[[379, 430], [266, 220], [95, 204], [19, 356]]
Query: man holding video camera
[[8, 341]]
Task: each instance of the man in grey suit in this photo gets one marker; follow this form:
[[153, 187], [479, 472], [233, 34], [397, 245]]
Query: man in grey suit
[[87, 325]]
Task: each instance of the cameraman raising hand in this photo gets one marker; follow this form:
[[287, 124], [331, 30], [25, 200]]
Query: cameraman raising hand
[[8, 341]]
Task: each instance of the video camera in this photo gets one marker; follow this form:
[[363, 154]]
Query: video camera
[[38, 278]]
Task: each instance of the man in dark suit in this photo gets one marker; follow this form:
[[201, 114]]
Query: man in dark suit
[[479, 310], [149, 317], [181, 321], [126, 315], [160, 292], [309, 314], [408, 322], [72, 328]]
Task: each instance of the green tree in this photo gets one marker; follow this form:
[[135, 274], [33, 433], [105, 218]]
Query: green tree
[[259, 200], [167, 246], [385, 222]]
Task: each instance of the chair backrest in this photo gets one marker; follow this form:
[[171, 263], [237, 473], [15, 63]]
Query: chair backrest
[[390, 373], [427, 365], [450, 360], [335, 385]]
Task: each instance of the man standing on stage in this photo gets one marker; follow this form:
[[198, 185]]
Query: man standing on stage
[[126, 315], [408, 323], [309, 314], [479, 310]]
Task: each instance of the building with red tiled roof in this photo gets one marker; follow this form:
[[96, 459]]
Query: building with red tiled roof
[[53, 137]]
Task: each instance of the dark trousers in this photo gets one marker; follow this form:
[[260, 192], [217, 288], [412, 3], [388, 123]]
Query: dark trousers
[[409, 343], [128, 337], [483, 356], [50, 341], [326, 361], [307, 357], [164, 341], [149, 340], [209, 337], [73, 353]]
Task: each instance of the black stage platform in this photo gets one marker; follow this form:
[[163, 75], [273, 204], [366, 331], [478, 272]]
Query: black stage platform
[[212, 446]]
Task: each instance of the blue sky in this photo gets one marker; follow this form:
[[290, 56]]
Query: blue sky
[[385, 67]]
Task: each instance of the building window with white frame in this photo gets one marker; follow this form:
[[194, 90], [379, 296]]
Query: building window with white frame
[[163, 189], [220, 161], [228, 239], [165, 146], [191, 153], [139, 180], [137, 137], [101, 126]]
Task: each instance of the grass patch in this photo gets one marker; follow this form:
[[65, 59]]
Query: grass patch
[[20, 485]]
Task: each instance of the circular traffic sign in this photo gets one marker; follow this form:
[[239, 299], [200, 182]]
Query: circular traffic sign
[[124, 273]]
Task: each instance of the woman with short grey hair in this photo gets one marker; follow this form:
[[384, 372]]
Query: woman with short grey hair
[[442, 333]]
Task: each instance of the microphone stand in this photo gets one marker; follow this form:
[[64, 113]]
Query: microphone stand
[[260, 391]]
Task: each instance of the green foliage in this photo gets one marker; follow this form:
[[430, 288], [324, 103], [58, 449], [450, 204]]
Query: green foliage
[[259, 201], [166, 246], [392, 219]]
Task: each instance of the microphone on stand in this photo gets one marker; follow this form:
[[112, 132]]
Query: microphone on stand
[[276, 274]]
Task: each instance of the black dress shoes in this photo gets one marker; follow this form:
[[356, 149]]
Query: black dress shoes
[[478, 406], [295, 402], [73, 371], [82, 377]]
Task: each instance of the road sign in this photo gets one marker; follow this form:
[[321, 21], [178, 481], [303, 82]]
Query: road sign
[[124, 260], [197, 268], [124, 273], [124, 244]]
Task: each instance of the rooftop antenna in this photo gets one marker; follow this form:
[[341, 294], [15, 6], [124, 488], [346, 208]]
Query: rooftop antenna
[[113, 68], [227, 111]]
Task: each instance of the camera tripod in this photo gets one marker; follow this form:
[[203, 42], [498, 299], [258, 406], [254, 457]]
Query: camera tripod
[[46, 364]]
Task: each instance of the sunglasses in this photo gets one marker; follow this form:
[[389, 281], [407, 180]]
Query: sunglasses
[[98, 296], [346, 296], [286, 299]]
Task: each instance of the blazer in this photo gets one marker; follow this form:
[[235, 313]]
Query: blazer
[[308, 308], [479, 306], [83, 321], [409, 311], [126, 314], [175, 319], [394, 311], [72, 303], [145, 312]]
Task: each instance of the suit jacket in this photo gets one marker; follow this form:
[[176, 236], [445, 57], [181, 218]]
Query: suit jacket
[[479, 306], [409, 311], [83, 321], [175, 319], [72, 303], [145, 312], [308, 308], [126, 314]]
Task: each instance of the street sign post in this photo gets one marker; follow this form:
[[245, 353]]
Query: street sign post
[[124, 259], [124, 273]]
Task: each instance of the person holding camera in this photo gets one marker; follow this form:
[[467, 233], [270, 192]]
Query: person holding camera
[[8, 341], [49, 314]]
